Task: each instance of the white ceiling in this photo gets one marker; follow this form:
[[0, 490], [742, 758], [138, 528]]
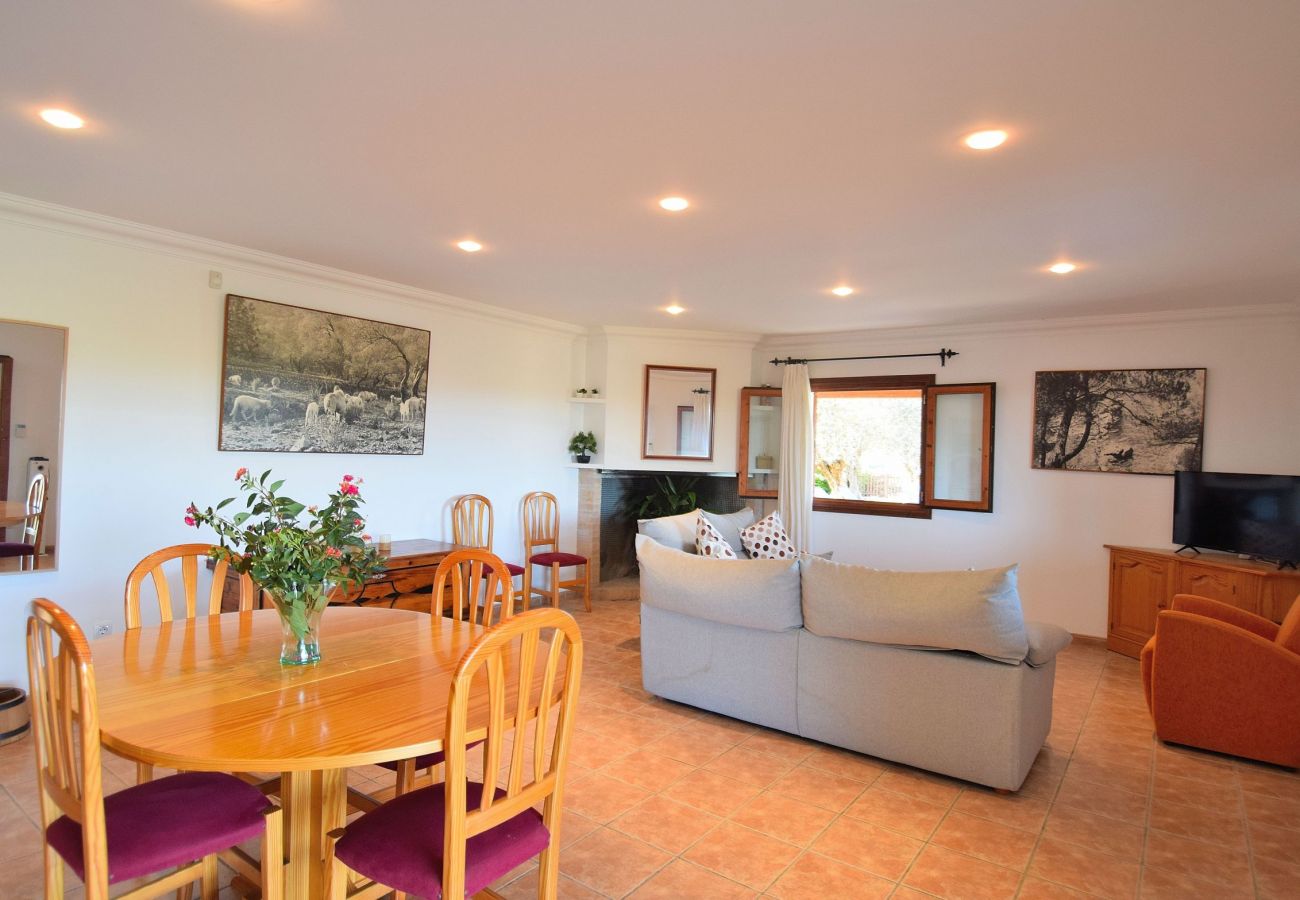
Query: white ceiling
[[1157, 142]]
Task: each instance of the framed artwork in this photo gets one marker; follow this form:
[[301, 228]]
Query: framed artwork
[[298, 380], [1139, 421]]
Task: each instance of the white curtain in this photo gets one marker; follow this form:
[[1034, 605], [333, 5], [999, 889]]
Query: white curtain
[[795, 483]]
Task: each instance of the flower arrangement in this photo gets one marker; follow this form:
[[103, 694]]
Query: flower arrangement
[[296, 562]]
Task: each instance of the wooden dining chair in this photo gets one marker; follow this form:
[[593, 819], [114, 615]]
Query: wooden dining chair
[[31, 542], [155, 568], [542, 529], [456, 838], [191, 556], [472, 525], [468, 578], [166, 824]]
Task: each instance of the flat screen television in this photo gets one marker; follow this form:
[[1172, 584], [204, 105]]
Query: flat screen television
[[1256, 515]]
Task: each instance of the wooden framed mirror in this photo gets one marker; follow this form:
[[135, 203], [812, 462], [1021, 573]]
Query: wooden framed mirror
[[32, 371], [677, 414]]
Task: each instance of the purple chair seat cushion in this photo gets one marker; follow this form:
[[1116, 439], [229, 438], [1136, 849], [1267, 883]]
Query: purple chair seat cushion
[[513, 568], [564, 559], [11, 548], [427, 760], [168, 822], [400, 843], [421, 762]]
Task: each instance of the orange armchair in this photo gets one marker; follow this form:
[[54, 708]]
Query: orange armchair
[[1220, 678]]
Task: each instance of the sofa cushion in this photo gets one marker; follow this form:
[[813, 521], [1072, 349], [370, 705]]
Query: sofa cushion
[[729, 525], [1045, 641], [766, 539], [751, 593], [977, 611], [710, 542], [1288, 636], [677, 532]]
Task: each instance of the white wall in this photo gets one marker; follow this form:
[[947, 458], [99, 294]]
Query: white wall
[[1054, 523], [37, 353], [143, 388], [625, 352]]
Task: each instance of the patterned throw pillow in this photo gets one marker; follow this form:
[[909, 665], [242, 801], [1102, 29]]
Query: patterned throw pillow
[[710, 542], [766, 539]]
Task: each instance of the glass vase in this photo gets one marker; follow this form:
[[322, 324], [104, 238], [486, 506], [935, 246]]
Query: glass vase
[[300, 608]]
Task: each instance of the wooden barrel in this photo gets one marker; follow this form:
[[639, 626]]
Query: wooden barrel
[[15, 717]]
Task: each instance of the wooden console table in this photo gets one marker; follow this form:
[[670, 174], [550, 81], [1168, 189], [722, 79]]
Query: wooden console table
[[1144, 580], [405, 582]]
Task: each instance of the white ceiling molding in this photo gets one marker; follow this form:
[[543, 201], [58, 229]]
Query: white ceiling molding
[[1257, 314], [749, 339], [31, 213]]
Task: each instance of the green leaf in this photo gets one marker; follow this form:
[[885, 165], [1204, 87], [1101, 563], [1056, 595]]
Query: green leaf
[[225, 503]]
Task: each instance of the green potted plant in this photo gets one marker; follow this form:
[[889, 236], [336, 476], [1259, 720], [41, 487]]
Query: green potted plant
[[669, 498], [582, 445], [298, 563]]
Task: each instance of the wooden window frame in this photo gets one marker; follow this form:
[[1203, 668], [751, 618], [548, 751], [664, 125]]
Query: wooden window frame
[[876, 383], [987, 392], [929, 390]]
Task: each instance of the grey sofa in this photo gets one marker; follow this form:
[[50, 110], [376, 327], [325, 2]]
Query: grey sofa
[[883, 663]]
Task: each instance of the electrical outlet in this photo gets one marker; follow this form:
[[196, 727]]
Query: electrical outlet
[[103, 629], [214, 279]]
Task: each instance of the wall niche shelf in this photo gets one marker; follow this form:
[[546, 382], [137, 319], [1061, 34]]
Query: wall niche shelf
[[586, 399]]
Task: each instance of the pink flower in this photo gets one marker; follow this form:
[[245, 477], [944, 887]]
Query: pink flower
[[192, 509], [348, 490], [313, 509], [347, 477], [357, 523], [360, 480], [189, 520], [333, 552], [366, 538], [241, 473]]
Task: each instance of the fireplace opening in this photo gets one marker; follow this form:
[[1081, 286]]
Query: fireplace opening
[[615, 516]]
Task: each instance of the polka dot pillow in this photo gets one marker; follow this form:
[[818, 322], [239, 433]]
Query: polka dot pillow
[[766, 539], [710, 542]]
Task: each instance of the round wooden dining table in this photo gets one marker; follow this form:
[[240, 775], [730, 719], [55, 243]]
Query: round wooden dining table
[[209, 694]]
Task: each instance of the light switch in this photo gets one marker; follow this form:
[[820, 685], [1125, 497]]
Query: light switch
[[20, 430]]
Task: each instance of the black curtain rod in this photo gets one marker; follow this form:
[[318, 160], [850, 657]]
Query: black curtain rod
[[944, 355]]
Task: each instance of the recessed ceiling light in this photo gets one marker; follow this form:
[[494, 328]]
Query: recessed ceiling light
[[842, 291], [469, 246], [985, 140], [61, 118], [1062, 268], [674, 204], [674, 310]]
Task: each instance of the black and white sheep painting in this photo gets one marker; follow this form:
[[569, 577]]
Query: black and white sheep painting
[[303, 381], [1139, 421]]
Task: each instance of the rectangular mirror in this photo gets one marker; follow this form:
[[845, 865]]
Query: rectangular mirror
[[678, 415], [32, 361]]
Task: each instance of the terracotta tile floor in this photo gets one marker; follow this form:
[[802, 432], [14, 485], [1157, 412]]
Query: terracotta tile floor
[[666, 801]]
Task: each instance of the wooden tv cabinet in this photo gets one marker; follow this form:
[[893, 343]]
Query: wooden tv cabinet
[[1143, 581]]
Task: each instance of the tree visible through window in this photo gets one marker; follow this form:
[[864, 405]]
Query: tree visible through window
[[867, 446]]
